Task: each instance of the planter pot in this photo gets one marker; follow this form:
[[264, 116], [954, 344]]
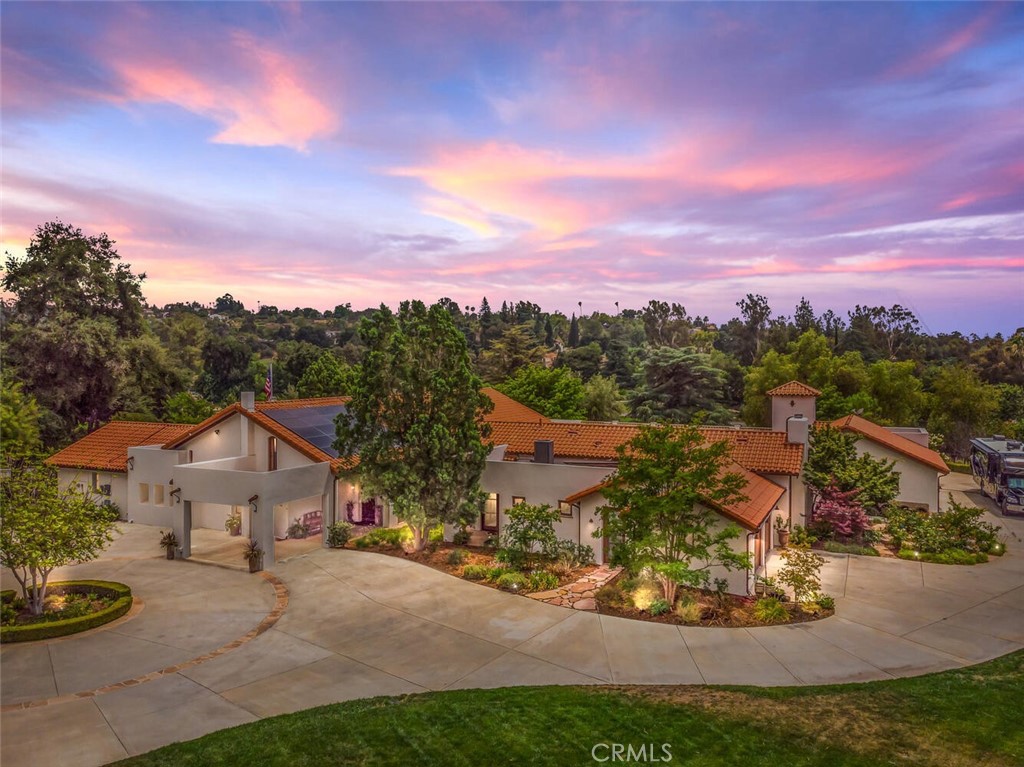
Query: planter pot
[[170, 552], [255, 564], [235, 531], [783, 538]]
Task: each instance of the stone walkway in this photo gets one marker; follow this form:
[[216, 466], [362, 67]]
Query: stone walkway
[[360, 624], [580, 594]]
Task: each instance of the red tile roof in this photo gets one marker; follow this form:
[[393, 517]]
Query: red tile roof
[[761, 497], [893, 441], [793, 389], [508, 409], [759, 450], [106, 449]]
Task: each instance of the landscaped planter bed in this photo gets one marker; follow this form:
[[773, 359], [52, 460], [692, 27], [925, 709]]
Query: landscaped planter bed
[[93, 602], [739, 611], [438, 557]]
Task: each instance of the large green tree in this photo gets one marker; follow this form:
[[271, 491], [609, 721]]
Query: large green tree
[[832, 462], [44, 526], [679, 385], [326, 377], [416, 418], [554, 392], [19, 424], [603, 400], [515, 349], [964, 407], [660, 506]]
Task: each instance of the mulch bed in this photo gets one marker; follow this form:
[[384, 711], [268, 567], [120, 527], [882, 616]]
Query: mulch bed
[[740, 613], [438, 559]]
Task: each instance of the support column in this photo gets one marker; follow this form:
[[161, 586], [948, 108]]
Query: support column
[[182, 527]]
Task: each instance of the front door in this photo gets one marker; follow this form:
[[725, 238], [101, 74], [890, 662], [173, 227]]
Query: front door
[[489, 517]]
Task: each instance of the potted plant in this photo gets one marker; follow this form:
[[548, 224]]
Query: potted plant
[[298, 529], [254, 555], [169, 541], [782, 530], [233, 524], [338, 534]]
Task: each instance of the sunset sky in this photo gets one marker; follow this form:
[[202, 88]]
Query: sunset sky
[[320, 153]]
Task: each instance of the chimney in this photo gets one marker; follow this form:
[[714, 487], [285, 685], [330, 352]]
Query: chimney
[[249, 400], [544, 451], [797, 430]]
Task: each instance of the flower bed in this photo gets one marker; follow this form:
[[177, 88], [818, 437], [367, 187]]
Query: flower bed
[[640, 599], [71, 607]]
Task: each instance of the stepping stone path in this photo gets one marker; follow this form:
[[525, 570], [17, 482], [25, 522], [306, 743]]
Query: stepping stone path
[[580, 594]]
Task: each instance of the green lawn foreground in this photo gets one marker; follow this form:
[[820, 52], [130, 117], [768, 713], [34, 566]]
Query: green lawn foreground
[[969, 716]]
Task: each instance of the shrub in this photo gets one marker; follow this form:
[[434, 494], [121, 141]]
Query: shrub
[[391, 537], [644, 594], [613, 595], [456, 557], [838, 514], [118, 592], [689, 610], [476, 572], [511, 581], [297, 529], [800, 536], [542, 581], [568, 555], [436, 534], [769, 610], [950, 557], [461, 537], [659, 607], [850, 548], [959, 528], [825, 602], [496, 572], [338, 534], [801, 572], [529, 532]]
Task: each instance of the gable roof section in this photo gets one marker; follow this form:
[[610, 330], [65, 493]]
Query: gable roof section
[[508, 409], [761, 497], [759, 450], [793, 389], [106, 449], [893, 441]]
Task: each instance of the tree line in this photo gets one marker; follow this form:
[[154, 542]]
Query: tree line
[[81, 346]]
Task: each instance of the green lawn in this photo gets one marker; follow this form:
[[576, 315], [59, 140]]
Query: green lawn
[[970, 717]]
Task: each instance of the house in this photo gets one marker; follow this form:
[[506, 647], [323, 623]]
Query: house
[[919, 466], [273, 463]]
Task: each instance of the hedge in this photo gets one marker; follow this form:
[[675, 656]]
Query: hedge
[[49, 630], [951, 557]]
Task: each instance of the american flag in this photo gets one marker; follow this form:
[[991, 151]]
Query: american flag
[[268, 385]]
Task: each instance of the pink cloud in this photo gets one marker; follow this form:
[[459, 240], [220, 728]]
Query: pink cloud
[[953, 44], [271, 105]]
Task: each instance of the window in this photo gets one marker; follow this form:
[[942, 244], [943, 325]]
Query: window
[[489, 517], [271, 453], [95, 481], [566, 508], [158, 495], [518, 499], [143, 492]]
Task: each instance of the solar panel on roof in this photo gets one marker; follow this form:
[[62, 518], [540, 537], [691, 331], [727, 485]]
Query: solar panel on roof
[[314, 424]]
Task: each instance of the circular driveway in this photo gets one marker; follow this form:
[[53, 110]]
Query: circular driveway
[[361, 624]]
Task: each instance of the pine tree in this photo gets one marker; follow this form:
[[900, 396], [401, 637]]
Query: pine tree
[[574, 332], [549, 333]]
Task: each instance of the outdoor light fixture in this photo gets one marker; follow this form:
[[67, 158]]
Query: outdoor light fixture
[[252, 504], [131, 462], [216, 431], [176, 495]]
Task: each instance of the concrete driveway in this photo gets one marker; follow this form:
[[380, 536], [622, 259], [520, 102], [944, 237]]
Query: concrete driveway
[[360, 625]]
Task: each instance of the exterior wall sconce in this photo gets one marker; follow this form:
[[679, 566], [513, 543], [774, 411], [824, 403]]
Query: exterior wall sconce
[[131, 462], [176, 495], [216, 431], [252, 504]]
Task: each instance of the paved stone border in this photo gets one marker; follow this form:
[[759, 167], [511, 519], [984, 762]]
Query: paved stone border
[[280, 605], [578, 595]]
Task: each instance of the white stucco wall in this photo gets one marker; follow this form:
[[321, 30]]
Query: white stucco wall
[[83, 479], [784, 407], [919, 484]]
